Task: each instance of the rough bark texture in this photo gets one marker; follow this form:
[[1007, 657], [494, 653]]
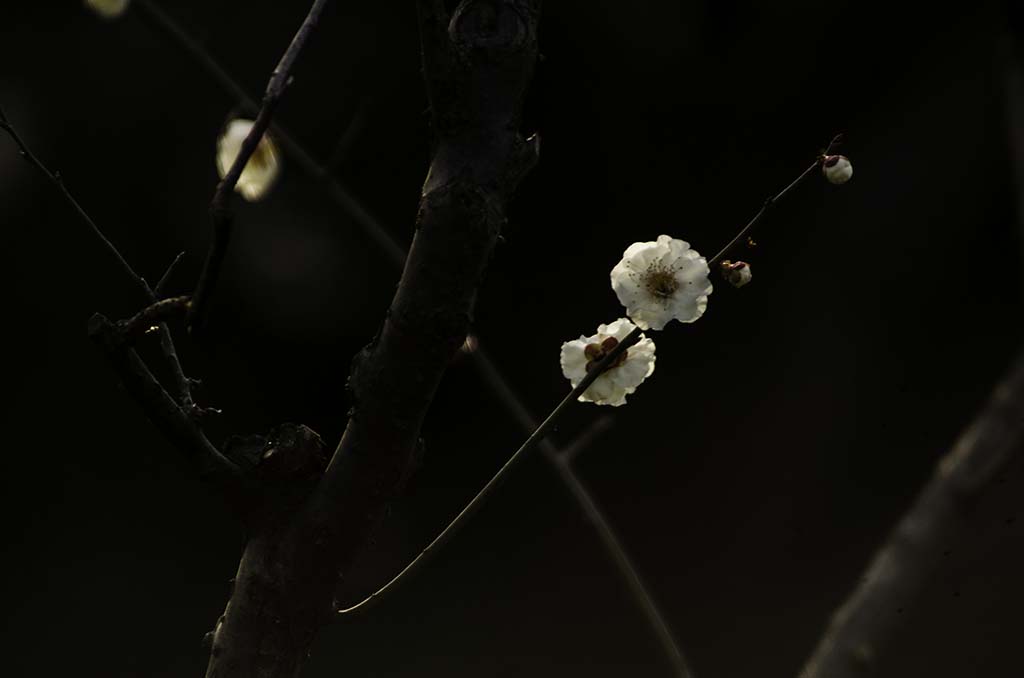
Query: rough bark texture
[[477, 67]]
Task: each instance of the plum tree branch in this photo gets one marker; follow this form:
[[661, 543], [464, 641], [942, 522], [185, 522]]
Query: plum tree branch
[[220, 212], [942, 512]]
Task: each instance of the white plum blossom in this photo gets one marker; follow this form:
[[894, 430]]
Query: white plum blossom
[[837, 169], [661, 281], [628, 371], [108, 9], [260, 171]]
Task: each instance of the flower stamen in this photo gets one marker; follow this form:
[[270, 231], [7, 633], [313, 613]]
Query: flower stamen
[[660, 282]]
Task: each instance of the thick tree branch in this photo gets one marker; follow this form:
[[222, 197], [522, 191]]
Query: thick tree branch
[[286, 580], [942, 513]]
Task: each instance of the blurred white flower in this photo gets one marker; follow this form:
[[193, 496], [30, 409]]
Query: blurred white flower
[[108, 9], [660, 281], [260, 172], [634, 365], [737, 273], [837, 169]]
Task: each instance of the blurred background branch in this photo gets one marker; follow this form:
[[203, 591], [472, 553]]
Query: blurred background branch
[[943, 512]]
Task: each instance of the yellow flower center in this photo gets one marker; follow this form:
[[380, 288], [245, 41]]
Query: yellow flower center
[[660, 282]]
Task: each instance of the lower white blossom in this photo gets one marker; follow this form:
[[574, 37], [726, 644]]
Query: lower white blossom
[[634, 365], [661, 281], [108, 9], [260, 171]]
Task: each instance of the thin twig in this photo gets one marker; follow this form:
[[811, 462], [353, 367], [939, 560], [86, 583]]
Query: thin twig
[[220, 212], [168, 351], [165, 279], [746, 230], [941, 514], [144, 322], [55, 179]]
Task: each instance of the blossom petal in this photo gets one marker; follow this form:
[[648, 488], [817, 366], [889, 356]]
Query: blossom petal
[[574, 361], [612, 387]]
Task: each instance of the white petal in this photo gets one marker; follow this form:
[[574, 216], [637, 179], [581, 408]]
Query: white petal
[[666, 254], [619, 329], [574, 361], [603, 392]]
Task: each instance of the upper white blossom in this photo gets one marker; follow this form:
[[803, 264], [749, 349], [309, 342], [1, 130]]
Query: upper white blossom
[[662, 280], [629, 370], [837, 169], [108, 9], [263, 167]]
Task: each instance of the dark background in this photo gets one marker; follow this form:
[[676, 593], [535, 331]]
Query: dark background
[[751, 477]]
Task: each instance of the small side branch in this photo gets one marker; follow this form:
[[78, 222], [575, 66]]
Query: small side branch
[[179, 429], [220, 212], [55, 179], [860, 627], [147, 295], [146, 321]]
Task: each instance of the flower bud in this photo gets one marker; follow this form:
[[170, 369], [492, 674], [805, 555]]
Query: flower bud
[[837, 169], [736, 273]]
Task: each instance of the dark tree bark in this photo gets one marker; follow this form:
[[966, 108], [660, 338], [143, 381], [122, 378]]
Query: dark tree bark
[[477, 66]]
